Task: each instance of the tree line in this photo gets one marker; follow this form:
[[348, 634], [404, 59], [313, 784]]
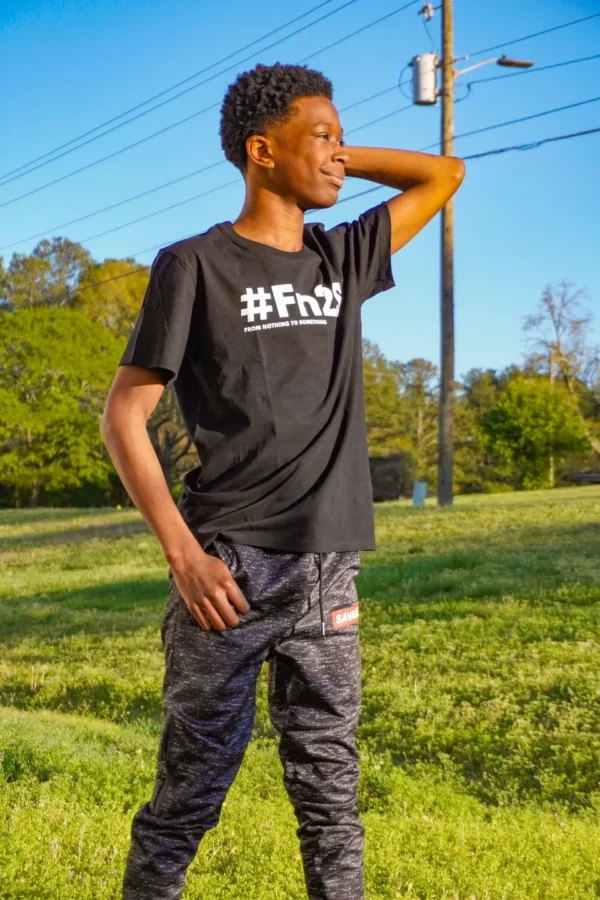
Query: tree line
[[65, 318]]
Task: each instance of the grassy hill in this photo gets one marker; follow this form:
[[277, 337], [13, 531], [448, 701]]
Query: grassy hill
[[479, 735]]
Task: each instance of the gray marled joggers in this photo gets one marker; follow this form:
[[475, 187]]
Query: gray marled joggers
[[303, 619]]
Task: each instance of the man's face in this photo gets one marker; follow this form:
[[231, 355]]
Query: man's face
[[308, 154]]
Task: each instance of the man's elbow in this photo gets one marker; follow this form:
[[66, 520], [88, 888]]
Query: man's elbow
[[122, 418], [451, 176], [106, 425], [457, 170], [111, 423]]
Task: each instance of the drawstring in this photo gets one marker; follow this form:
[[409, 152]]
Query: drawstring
[[320, 556]]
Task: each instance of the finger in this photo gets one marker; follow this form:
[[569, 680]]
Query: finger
[[220, 602], [236, 597], [212, 614], [199, 617], [203, 620]]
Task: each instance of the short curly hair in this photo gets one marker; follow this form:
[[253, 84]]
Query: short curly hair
[[260, 97]]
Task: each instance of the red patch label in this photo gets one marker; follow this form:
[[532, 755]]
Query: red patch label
[[342, 617]]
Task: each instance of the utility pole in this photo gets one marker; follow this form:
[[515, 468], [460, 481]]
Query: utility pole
[[446, 418], [425, 93]]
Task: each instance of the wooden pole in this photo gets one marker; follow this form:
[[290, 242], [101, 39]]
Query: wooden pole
[[446, 420]]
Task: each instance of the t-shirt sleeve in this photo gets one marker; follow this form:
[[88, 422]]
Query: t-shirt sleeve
[[159, 336], [367, 251]]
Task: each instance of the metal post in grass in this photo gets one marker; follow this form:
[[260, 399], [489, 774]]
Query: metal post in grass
[[419, 493]]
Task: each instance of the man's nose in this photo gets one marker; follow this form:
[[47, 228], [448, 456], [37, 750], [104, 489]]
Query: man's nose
[[340, 154]]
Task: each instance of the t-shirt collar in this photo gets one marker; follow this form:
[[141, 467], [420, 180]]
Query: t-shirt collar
[[259, 248]]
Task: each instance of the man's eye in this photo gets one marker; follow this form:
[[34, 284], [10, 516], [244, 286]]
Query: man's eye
[[328, 137]]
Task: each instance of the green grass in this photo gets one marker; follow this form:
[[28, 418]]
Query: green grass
[[480, 726]]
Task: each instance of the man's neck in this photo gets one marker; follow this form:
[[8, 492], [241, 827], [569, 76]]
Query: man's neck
[[272, 220]]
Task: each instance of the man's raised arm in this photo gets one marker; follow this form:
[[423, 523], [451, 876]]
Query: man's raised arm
[[427, 183]]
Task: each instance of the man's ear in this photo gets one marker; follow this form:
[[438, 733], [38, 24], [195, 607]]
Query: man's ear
[[258, 148]]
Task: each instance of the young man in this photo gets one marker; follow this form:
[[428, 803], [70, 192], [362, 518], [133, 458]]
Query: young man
[[258, 324]]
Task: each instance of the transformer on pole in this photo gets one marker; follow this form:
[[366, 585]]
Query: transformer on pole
[[424, 79]]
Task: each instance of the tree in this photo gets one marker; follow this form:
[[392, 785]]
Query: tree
[[112, 292], [172, 444], [476, 468], [2, 281], [25, 282], [530, 422], [67, 261], [558, 332], [418, 383], [55, 371], [382, 403], [47, 276], [558, 336], [480, 388]]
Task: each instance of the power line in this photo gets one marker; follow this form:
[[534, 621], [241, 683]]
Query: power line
[[428, 33], [350, 106], [545, 112], [206, 109], [176, 180], [389, 90], [365, 125], [141, 266], [187, 90], [159, 212], [378, 187], [186, 119], [393, 88], [92, 284], [105, 158], [534, 70], [535, 34], [395, 112], [531, 146], [359, 30], [534, 145], [211, 190], [104, 209], [174, 86], [213, 106]]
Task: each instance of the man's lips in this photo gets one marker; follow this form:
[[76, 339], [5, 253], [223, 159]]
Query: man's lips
[[335, 178]]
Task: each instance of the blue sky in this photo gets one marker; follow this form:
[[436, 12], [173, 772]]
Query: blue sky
[[523, 219]]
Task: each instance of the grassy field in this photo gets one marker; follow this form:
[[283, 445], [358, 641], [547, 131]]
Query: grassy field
[[480, 729]]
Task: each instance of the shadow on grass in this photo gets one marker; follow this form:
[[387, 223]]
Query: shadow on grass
[[101, 615], [101, 699], [553, 557], [119, 607], [108, 531], [400, 588], [25, 516]]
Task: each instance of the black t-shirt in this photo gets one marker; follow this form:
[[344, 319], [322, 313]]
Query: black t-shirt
[[265, 349]]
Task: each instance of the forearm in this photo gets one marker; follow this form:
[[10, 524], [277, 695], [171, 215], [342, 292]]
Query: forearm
[[135, 459], [426, 183], [401, 169]]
